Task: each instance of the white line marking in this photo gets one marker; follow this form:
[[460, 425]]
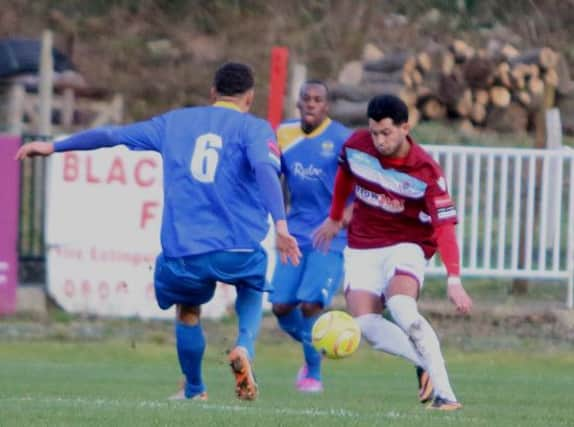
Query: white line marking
[[327, 412]]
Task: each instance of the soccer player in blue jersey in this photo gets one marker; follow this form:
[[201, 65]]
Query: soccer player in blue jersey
[[220, 177], [309, 148]]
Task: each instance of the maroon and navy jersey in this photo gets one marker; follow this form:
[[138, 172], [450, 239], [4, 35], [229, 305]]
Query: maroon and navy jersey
[[395, 202]]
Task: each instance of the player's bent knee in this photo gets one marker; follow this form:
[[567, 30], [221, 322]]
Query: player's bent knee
[[282, 309], [189, 315], [311, 309]]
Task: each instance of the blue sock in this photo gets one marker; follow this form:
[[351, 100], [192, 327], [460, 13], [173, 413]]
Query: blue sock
[[190, 348], [292, 323], [312, 356], [248, 307]]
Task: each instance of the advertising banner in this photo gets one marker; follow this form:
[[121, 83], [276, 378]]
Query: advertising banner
[[9, 209], [103, 217]]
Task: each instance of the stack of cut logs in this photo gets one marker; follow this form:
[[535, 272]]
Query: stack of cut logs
[[497, 87]]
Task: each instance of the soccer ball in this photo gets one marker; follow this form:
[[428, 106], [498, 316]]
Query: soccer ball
[[336, 335]]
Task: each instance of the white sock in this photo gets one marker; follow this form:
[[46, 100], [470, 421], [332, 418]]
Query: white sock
[[406, 315], [388, 337]]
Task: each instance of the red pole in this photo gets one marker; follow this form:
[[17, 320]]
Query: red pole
[[277, 83]]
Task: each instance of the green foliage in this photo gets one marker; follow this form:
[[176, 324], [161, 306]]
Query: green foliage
[[323, 34]]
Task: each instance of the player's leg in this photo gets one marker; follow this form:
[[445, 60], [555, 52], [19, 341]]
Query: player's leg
[[285, 283], [363, 294], [248, 309], [403, 307], [309, 375], [177, 282], [245, 270], [321, 279], [190, 344], [405, 279], [290, 319], [382, 334]]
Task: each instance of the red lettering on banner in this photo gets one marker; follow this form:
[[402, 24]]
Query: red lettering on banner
[[69, 288], [140, 181], [85, 167], [89, 173], [104, 290], [86, 288], [69, 253], [71, 169], [121, 288], [147, 212], [117, 172]]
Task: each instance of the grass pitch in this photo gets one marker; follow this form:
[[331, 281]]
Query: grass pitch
[[113, 382]]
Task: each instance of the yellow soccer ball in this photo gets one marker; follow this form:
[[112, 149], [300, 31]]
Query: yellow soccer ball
[[336, 334]]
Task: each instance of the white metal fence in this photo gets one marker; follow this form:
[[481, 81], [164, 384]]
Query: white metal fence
[[515, 209]]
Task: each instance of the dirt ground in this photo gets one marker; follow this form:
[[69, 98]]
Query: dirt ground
[[524, 325]]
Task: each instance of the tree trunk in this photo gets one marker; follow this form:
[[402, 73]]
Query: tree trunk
[[478, 73], [391, 63], [544, 57], [513, 118]]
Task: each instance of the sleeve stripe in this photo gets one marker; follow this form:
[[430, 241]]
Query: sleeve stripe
[[274, 148]]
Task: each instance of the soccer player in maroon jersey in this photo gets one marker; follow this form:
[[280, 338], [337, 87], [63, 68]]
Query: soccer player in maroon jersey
[[402, 215]]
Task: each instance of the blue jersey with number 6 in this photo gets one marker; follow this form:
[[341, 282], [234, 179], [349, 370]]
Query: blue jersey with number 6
[[208, 158]]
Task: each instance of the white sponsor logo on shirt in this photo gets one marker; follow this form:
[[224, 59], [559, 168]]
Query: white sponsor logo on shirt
[[306, 172], [381, 201]]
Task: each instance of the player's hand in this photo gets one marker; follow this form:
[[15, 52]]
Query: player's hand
[[325, 233], [286, 244], [34, 148], [458, 296]]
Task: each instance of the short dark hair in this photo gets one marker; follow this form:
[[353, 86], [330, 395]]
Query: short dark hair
[[233, 78], [314, 82], [388, 106]]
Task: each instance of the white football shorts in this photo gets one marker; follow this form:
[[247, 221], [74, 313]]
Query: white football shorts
[[372, 269]]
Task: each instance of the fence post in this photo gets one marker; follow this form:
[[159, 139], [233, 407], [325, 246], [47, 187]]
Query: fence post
[[520, 286], [570, 253], [46, 84], [16, 98]]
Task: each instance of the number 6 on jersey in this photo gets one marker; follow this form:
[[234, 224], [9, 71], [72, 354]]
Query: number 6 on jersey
[[206, 157]]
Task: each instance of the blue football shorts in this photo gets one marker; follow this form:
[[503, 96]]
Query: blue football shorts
[[191, 280], [316, 279]]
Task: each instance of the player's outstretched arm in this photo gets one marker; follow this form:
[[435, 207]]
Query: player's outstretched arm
[[90, 139], [34, 148]]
